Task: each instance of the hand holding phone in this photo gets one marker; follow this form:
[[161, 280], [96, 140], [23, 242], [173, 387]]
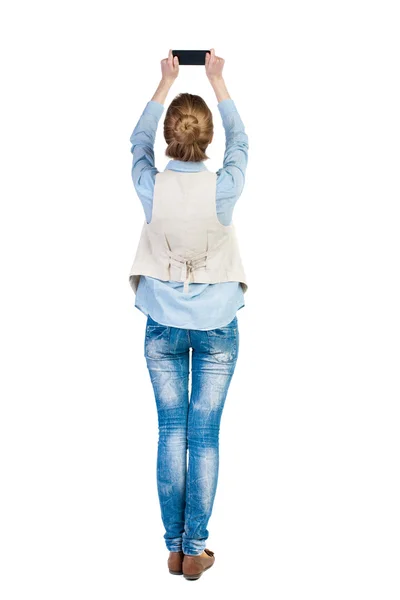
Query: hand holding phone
[[214, 65], [169, 67]]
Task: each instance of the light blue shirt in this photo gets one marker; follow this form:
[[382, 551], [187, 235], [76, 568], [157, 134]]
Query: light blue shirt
[[207, 305]]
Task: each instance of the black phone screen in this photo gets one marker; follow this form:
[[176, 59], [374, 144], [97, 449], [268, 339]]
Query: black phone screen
[[191, 57]]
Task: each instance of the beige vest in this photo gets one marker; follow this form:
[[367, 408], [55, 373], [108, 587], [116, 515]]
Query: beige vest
[[185, 241]]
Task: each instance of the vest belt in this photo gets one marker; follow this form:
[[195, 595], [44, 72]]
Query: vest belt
[[188, 265]]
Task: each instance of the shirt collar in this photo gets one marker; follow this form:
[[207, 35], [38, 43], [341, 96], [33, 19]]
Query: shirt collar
[[186, 165]]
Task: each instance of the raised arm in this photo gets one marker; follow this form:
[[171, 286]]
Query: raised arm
[[231, 176], [143, 137]]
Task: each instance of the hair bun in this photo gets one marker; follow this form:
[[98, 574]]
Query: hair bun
[[187, 128]]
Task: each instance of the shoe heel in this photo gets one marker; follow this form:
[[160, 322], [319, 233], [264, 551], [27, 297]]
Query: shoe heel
[[192, 577]]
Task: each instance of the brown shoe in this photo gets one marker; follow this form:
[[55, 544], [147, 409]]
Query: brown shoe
[[175, 561], [194, 565]]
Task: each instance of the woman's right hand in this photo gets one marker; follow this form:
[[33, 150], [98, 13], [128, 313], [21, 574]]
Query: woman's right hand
[[214, 65]]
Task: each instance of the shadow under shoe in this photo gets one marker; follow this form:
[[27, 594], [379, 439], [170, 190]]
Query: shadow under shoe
[[194, 566]]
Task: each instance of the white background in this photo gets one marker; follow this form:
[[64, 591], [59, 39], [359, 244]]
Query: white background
[[308, 497]]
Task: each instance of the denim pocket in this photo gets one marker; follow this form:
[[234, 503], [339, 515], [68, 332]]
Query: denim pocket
[[152, 323], [156, 342], [228, 330], [223, 342]]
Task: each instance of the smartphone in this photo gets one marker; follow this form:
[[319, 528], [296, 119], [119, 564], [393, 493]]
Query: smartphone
[[191, 57]]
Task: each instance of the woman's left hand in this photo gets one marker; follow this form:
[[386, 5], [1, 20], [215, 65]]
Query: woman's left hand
[[170, 67]]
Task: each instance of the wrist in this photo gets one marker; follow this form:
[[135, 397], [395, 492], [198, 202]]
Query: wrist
[[215, 79], [168, 81]]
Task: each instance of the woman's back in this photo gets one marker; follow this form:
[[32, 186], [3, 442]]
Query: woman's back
[[206, 306]]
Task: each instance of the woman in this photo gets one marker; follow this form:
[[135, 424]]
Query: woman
[[189, 280]]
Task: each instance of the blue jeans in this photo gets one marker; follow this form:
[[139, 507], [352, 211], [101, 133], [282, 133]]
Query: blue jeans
[[188, 429]]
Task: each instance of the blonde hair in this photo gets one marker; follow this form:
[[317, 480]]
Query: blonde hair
[[188, 128]]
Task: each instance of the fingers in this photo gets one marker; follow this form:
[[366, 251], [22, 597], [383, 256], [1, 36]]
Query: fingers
[[172, 60], [212, 59]]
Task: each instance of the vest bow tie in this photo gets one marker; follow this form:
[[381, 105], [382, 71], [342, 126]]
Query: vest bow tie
[[188, 265]]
